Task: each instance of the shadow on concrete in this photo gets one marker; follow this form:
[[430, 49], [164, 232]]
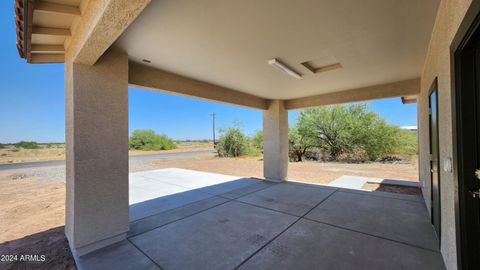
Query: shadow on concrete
[[180, 196], [44, 250]]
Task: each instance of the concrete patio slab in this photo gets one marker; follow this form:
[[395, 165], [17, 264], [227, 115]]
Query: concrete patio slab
[[163, 218], [120, 256], [234, 222], [311, 245], [399, 220], [187, 178], [220, 238], [143, 189], [222, 188], [153, 192], [239, 192], [164, 202], [351, 182], [289, 198]]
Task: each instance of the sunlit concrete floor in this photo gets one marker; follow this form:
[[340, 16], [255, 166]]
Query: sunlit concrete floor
[[182, 219]]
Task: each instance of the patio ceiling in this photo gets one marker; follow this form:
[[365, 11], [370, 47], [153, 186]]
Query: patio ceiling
[[376, 42]]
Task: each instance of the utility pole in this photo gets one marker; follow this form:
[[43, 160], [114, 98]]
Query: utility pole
[[213, 122]]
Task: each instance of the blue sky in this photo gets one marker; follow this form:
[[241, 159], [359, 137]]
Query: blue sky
[[32, 102]]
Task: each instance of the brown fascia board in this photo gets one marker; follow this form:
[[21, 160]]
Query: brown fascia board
[[23, 23], [19, 28], [28, 6]]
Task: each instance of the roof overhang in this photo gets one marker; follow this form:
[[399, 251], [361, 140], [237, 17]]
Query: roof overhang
[[409, 99], [49, 31]]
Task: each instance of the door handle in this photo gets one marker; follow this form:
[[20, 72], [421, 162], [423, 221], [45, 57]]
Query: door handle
[[475, 193]]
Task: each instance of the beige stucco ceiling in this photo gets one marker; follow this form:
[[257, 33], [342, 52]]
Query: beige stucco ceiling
[[228, 43]]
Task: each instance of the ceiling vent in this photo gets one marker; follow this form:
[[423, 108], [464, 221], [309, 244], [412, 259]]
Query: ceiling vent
[[316, 69], [325, 62]]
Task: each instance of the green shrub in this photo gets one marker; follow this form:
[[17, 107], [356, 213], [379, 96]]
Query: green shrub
[[143, 139], [407, 143], [232, 143], [350, 130], [2, 146], [257, 140], [27, 145]]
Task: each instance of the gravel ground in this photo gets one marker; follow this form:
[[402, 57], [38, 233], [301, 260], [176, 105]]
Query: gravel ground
[[57, 173]]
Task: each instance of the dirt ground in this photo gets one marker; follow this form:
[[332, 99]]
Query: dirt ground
[[32, 215], [32, 200], [309, 171], [12, 154]]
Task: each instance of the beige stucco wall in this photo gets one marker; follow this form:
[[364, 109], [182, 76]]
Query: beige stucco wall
[[96, 151], [438, 64], [101, 23]]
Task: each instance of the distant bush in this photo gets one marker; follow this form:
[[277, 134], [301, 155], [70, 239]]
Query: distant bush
[[257, 140], [2, 146], [232, 143], [143, 139], [255, 144], [27, 145]]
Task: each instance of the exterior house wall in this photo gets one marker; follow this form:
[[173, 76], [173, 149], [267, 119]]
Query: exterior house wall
[[438, 65]]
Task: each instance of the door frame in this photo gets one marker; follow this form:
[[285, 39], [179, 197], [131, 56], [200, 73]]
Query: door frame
[[434, 88], [468, 26]]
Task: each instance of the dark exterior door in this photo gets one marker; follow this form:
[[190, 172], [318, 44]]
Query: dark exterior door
[[434, 158], [467, 101]]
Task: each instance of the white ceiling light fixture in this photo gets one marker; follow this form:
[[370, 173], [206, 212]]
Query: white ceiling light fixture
[[284, 68]]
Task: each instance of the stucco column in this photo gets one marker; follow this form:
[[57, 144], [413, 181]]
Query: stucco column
[[275, 141], [97, 152]]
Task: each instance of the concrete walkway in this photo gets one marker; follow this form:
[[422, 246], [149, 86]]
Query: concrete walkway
[[357, 182], [183, 219]]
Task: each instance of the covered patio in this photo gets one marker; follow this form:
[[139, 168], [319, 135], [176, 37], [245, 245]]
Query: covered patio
[[182, 219], [273, 56]]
